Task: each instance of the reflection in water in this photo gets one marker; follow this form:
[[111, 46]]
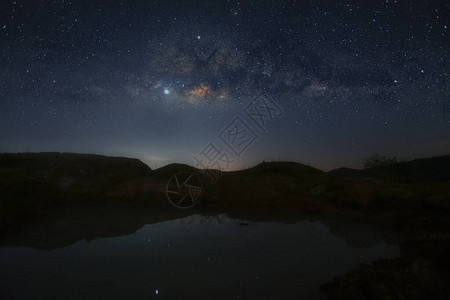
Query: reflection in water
[[194, 257]]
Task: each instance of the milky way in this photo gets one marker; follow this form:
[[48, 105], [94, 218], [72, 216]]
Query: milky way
[[161, 80]]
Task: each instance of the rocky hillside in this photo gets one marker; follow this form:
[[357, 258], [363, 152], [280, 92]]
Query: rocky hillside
[[411, 194], [30, 182]]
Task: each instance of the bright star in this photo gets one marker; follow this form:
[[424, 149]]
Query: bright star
[[166, 91]]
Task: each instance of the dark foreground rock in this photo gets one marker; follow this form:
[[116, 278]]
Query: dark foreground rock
[[422, 272]]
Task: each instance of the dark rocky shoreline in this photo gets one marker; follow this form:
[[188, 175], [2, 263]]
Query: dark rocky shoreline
[[421, 272], [412, 197]]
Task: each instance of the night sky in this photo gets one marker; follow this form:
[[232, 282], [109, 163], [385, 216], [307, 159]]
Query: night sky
[[165, 81]]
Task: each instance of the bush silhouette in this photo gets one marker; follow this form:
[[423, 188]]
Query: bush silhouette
[[378, 160]]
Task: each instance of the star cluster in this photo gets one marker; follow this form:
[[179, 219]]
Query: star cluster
[[156, 79]]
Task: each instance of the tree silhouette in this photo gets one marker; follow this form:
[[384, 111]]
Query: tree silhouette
[[378, 160]]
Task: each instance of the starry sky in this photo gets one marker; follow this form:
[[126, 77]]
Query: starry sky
[[325, 83]]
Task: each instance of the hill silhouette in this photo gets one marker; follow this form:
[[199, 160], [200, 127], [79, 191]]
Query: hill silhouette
[[431, 169], [52, 200], [32, 182], [411, 194]]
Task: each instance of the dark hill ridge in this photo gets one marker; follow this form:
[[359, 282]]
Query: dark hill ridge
[[171, 169], [284, 167], [348, 172], [32, 182], [72, 164], [65, 173], [51, 200], [268, 187], [433, 169]]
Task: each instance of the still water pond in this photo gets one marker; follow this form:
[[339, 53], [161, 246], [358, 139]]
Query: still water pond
[[196, 257]]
